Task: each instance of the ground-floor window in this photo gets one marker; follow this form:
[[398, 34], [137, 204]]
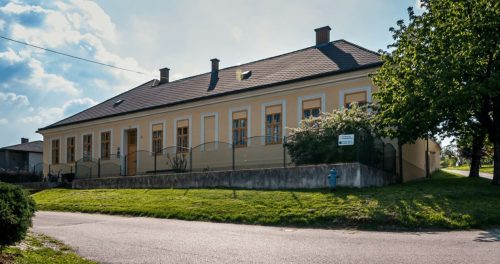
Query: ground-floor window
[[157, 138], [70, 150], [55, 151], [105, 145], [273, 124], [240, 132], [183, 135], [87, 147], [311, 108]]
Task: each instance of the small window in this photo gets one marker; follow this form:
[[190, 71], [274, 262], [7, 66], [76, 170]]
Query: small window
[[240, 129], [55, 151], [70, 150], [182, 136], [105, 145], [157, 138], [87, 148], [358, 97], [311, 108], [273, 125]]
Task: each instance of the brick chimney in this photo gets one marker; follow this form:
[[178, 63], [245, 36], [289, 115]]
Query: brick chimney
[[24, 140], [323, 35], [164, 75]]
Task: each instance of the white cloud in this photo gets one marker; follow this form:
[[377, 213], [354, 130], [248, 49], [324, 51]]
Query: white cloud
[[97, 19], [48, 82], [49, 115], [11, 56], [2, 25], [15, 99], [15, 8], [3, 121]]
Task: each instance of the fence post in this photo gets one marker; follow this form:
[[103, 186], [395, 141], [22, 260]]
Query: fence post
[[76, 168], [191, 159], [99, 168], [155, 164], [49, 170], [383, 156], [232, 146]]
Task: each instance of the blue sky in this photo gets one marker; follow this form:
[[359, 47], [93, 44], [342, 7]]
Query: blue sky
[[39, 88]]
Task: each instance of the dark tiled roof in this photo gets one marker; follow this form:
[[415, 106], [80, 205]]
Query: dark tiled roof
[[34, 146], [336, 57]]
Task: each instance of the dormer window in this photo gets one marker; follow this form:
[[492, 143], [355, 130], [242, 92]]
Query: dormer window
[[118, 102]]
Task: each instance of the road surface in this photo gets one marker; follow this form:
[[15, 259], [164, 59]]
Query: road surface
[[116, 239], [466, 173]]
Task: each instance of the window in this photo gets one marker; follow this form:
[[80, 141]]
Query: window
[[105, 145], [55, 151], [157, 138], [183, 136], [311, 108], [240, 129], [87, 147], [70, 150], [273, 124], [357, 97]]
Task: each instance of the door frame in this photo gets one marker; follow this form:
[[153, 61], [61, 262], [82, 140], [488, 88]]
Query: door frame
[[124, 146]]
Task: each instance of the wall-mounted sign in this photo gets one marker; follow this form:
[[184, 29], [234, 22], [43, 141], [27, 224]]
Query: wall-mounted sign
[[346, 140]]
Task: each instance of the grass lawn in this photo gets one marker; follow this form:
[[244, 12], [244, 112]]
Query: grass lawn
[[40, 249], [444, 201], [466, 167]]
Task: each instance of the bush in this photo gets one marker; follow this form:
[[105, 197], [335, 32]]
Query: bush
[[16, 210], [316, 139]]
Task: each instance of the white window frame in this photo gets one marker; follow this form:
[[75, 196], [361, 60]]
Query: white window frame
[[249, 122], [60, 152], [300, 99], [342, 93], [66, 147], [157, 122], [190, 120], [263, 116], [110, 130], [93, 144]]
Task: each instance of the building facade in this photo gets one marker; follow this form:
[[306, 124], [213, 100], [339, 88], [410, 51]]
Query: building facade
[[249, 106]]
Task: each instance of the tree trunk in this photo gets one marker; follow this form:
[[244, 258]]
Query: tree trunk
[[496, 163], [477, 151]]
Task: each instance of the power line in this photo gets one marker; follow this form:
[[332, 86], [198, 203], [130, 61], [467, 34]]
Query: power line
[[71, 56]]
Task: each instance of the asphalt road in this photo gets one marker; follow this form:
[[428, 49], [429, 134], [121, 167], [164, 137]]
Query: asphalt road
[[116, 239], [466, 173]]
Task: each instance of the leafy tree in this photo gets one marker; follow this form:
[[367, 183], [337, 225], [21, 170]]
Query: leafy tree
[[443, 70]]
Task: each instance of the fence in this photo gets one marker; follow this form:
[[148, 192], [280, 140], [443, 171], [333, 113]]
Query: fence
[[254, 152]]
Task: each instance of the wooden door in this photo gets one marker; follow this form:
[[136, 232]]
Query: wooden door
[[132, 152]]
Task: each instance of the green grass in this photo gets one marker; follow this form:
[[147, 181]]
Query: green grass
[[444, 201], [40, 249], [466, 167]]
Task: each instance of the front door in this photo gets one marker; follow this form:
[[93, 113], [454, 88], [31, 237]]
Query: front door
[[131, 152]]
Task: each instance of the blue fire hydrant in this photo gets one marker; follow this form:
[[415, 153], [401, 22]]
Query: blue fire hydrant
[[332, 178]]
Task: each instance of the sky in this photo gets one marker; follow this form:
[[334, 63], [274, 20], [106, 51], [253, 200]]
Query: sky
[[38, 88]]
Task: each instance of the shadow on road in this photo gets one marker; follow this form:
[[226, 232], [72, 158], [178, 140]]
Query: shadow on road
[[492, 235]]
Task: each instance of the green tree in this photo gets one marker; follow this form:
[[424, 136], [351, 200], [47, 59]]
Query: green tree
[[443, 70]]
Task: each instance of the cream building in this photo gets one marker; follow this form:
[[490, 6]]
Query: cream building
[[250, 105]]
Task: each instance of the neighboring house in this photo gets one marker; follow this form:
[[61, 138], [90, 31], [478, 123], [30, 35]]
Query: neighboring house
[[22, 156], [233, 104]]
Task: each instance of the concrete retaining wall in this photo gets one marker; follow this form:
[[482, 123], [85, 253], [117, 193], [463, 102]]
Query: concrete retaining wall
[[303, 177]]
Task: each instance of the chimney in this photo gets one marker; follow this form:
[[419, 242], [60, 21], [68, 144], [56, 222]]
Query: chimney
[[322, 35], [215, 67], [24, 140], [214, 77], [164, 75]]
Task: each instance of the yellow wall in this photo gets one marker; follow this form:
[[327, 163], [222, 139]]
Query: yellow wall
[[331, 89]]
